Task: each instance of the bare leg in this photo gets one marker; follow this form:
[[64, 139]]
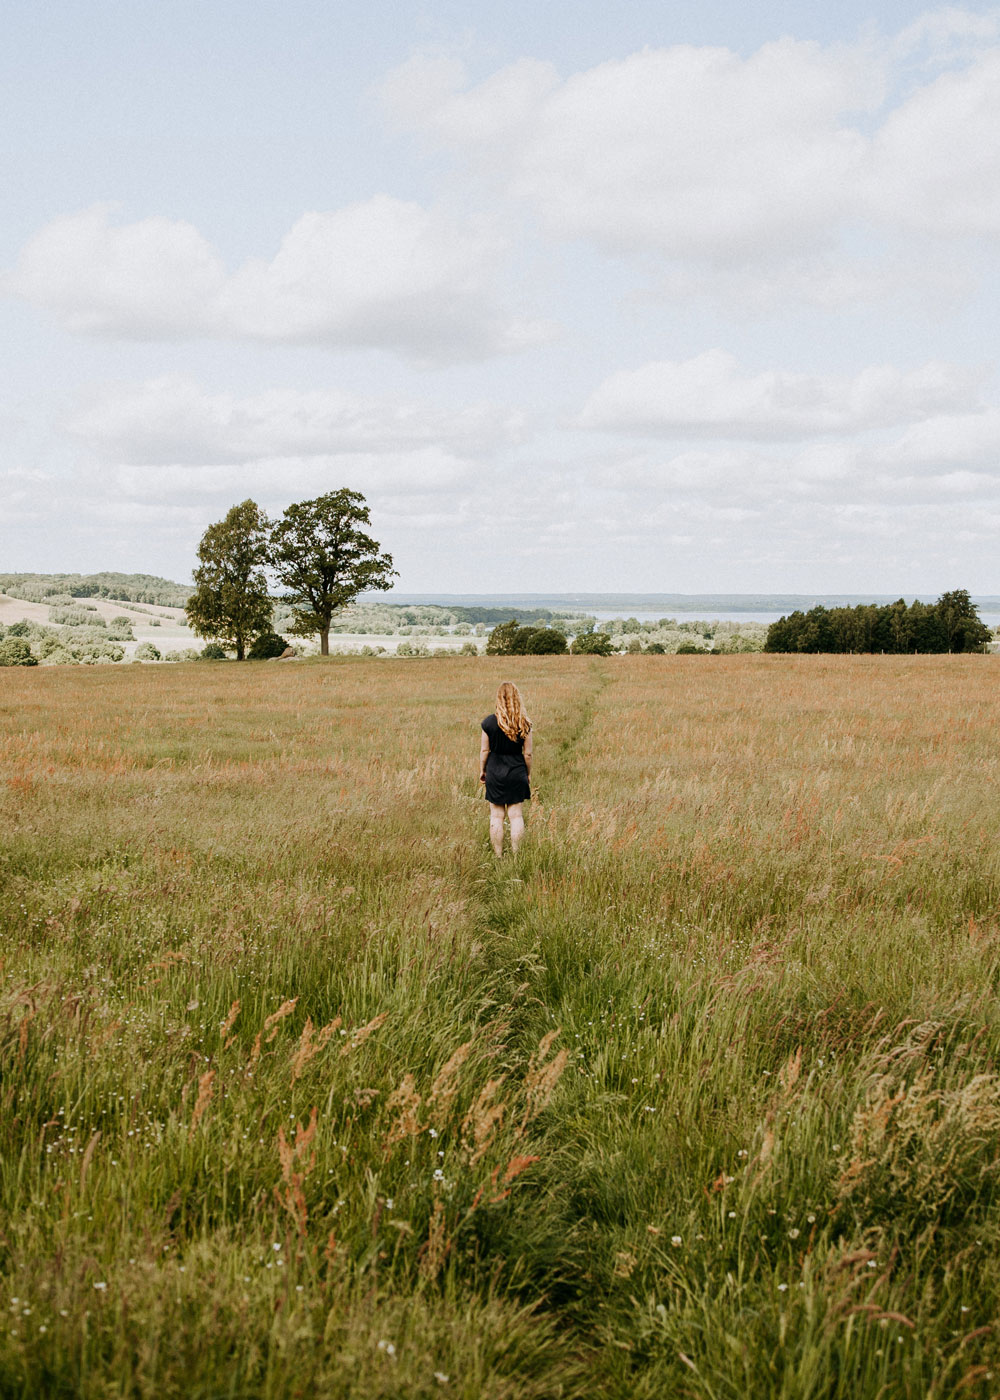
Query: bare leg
[[496, 828], [515, 813]]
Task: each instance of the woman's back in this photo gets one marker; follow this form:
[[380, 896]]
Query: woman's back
[[501, 743]]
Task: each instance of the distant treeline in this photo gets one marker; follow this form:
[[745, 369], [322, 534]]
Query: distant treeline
[[951, 624], [489, 616], [126, 588]]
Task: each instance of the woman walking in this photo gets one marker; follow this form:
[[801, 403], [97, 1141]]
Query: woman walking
[[505, 765]]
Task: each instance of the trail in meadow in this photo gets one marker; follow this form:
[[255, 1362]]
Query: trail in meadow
[[503, 895]]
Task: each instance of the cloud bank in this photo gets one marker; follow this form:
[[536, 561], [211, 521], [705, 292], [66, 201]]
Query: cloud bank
[[386, 273]]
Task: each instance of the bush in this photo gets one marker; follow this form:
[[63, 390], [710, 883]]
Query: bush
[[656, 648], [19, 629], [689, 649], [266, 646], [508, 639], [15, 651], [145, 651], [75, 617], [213, 651], [592, 644], [99, 653], [187, 654], [58, 656], [468, 649], [412, 649], [121, 629], [501, 639], [539, 641]]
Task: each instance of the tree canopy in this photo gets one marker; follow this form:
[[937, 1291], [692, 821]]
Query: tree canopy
[[324, 559], [231, 602], [951, 624], [509, 639]]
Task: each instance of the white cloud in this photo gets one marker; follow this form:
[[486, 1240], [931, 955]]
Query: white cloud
[[688, 151], [712, 395], [154, 278], [171, 420], [821, 161], [274, 481], [934, 164], [382, 273], [168, 439]]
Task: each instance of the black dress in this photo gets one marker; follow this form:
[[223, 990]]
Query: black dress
[[506, 771]]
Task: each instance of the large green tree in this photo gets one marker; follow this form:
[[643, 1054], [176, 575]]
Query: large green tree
[[324, 558], [230, 602]]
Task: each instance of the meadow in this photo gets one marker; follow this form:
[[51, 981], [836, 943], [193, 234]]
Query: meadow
[[304, 1094]]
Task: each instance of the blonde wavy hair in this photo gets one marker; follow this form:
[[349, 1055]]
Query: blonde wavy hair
[[511, 714]]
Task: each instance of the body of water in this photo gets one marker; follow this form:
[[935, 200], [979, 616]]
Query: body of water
[[992, 619], [706, 615]]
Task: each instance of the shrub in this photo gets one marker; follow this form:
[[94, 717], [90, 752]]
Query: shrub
[[58, 656], [468, 649], [188, 654], [540, 641], [689, 649], [121, 629], [592, 644], [501, 639], [508, 639], [145, 651], [99, 653], [266, 646], [19, 629], [656, 648], [15, 651], [75, 617], [212, 651], [412, 649]]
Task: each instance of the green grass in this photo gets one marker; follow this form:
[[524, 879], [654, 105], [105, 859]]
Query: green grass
[[696, 1097]]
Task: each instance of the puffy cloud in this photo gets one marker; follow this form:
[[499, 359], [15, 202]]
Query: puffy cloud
[[799, 156], [171, 420], [689, 151], [383, 273], [711, 395], [934, 163]]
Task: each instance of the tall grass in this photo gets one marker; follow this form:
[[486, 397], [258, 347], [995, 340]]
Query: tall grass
[[305, 1094]]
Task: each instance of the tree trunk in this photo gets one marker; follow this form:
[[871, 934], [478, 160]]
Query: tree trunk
[[240, 650], [324, 643]]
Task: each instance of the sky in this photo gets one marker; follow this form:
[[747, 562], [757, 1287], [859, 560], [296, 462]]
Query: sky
[[671, 297]]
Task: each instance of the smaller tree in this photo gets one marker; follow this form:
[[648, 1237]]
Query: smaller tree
[[501, 640], [325, 559], [592, 644], [539, 641], [15, 651], [230, 602]]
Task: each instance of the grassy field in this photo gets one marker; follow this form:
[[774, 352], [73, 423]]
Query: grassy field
[[303, 1094]]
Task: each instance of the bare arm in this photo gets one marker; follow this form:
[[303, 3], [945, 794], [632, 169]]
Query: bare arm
[[484, 753], [527, 752]]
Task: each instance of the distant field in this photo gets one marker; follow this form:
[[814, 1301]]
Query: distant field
[[304, 1095]]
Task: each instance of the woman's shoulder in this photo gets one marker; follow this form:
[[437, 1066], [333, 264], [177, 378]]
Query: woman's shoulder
[[489, 723]]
